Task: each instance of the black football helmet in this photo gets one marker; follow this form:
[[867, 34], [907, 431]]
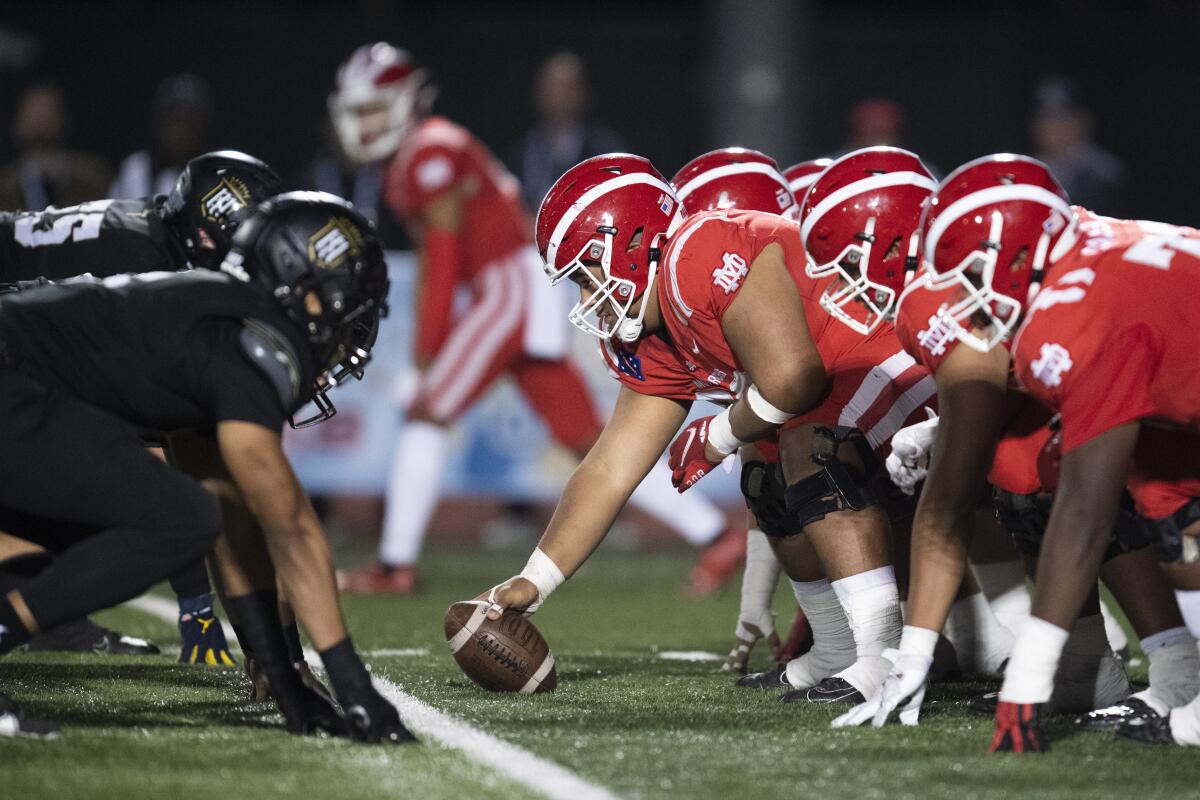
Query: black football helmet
[[214, 194], [322, 262]]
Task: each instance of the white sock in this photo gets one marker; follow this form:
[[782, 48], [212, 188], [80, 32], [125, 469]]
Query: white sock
[[1089, 674], [980, 641], [833, 641], [1032, 670], [1003, 583], [1185, 724], [691, 515], [758, 584], [1189, 606], [1112, 628], [1174, 669], [872, 605], [413, 490]]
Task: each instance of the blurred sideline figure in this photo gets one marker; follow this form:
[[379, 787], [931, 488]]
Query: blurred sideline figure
[[465, 215], [46, 172], [1061, 129], [182, 124]]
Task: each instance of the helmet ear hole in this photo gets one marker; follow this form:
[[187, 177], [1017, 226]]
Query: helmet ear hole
[[635, 241]]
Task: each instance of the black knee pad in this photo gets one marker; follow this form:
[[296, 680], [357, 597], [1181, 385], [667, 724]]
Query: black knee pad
[[1027, 515], [764, 489], [838, 486], [1166, 534]]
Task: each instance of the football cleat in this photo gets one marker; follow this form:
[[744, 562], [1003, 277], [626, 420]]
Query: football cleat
[[984, 704], [830, 690], [1147, 730], [1018, 729], [84, 636], [719, 561], [203, 640], [1113, 717], [13, 722], [379, 579], [774, 678]]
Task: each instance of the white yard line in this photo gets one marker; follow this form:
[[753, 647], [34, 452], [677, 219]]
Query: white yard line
[[543, 777], [689, 655]]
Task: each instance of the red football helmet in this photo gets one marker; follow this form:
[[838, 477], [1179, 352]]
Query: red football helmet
[[379, 94], [734, 177], [602, 225], [997, 207], [860, 221], [803, 175]]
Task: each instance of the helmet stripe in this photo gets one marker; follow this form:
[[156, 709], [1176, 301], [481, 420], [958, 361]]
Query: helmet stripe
[[724, 171], [801, 184], [591, 196], [984, 197], [863, 186]]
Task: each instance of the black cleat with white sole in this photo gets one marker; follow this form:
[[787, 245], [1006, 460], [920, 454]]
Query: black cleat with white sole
[[774, 678], [830, 690], [13, 722], [84, 636], [1112, 717], [1147, 730]]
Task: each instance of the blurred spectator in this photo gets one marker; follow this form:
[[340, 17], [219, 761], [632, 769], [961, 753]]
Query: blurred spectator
[[183, 115], [563, 135], [361, 184], [46, 172], [875, 121], [1062, 137]]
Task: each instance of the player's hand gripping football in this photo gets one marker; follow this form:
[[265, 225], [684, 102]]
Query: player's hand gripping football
[[908, 463], [750, 630], [516, 593], [692, 455], [905, 684]]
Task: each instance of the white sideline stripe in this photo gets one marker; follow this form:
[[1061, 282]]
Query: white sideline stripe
[[689, 655], [396, 652], [540, 776]]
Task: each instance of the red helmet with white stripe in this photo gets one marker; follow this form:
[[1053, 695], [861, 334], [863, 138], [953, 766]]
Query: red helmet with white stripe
[[860, 221], [803, 175], [603, 225], [992, 226], [734, 177], [378, 96]]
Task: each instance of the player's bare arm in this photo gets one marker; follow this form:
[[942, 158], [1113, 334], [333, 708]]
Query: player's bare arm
[[440, 224], [639, 430], [971, 400], [290, 527], [766, 329]]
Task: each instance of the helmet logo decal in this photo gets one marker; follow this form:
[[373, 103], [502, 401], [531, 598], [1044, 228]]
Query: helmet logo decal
[[229, 195], [328, 247], [665, 204]]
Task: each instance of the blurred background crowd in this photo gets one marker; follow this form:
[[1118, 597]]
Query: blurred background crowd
[[109, 100]]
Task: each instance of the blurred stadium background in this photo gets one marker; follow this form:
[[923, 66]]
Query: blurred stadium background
[[667, 79]]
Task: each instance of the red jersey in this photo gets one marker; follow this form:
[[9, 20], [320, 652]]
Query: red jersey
[[1111, 337], [439, 155]]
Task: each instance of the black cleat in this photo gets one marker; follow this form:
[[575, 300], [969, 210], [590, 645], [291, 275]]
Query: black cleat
[[984, 704], [13, 722], [830, 690], [84, 636], [1147, 730], [774, 678], [1111, 718]]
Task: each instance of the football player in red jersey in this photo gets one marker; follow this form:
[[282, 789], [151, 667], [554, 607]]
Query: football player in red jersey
[[1010, 208], [734, 318], [472, 233]]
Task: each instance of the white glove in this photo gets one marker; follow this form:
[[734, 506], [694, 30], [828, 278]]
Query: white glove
[[908, 463], [905, 682], [750, 629]]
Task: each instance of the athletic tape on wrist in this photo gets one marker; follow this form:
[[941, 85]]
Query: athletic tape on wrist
[[918, 641], [543, 573], [764, 410], [720, 435], [1029, 677]]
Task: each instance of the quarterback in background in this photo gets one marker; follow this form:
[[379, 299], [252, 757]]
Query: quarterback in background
[[471, 233]]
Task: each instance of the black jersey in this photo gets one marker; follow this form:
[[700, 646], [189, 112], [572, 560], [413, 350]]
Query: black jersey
[[165, 351], [103, 237]]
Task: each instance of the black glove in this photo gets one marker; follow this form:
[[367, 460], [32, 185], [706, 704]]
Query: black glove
[[304, 710], [368, 715]]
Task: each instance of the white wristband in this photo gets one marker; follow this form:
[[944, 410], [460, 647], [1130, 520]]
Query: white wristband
[[720, 435], [1029, 677], [543, 573], [764, 410], [918, 641]]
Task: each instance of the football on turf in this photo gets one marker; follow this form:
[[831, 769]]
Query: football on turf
[[504, 655]]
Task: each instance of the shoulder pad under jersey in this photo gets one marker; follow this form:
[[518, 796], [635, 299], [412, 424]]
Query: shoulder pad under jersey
[[270, 351]]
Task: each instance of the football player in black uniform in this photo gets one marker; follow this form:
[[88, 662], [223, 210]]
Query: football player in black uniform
[[190, 227], [86, 367]]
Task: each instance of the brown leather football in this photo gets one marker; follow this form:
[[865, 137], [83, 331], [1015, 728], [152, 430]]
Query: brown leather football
[[504, 655]]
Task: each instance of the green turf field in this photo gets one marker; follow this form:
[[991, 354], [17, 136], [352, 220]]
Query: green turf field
[[622, 717]]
